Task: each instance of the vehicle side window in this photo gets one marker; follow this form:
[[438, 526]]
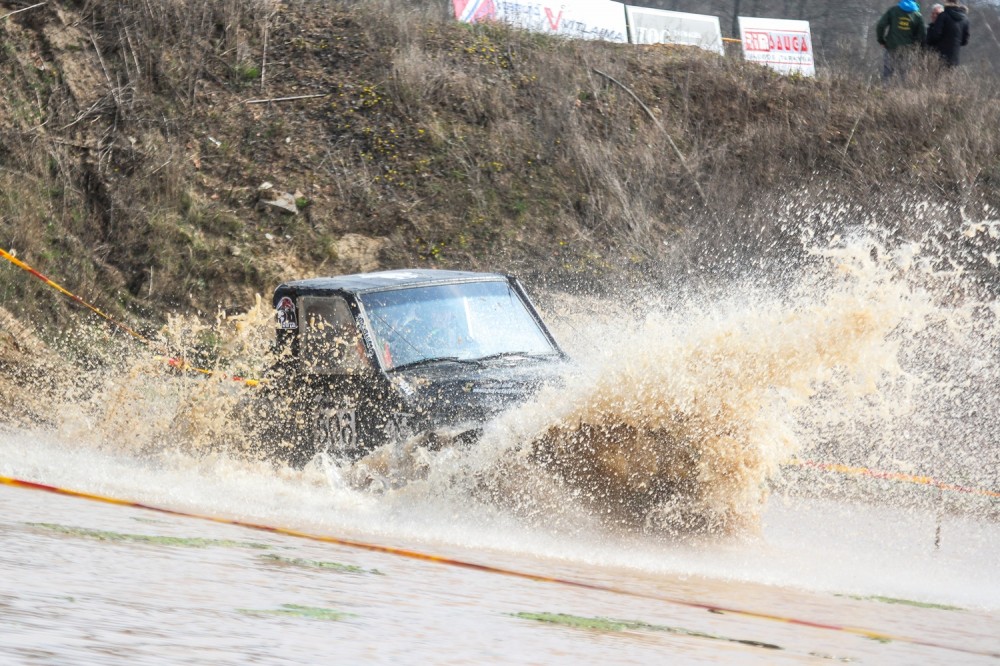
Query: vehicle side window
[[329, 338]]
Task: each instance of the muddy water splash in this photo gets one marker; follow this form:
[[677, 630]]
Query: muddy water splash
[[143, 404], [678, 422], [675, 421]]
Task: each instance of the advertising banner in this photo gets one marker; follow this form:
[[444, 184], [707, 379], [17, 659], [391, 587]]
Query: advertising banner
[[580, 19], [656, 26], [783, 45], [471, 11]]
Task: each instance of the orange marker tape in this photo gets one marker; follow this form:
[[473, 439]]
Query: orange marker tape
[[486, 568], [892, 476], [180, 364], [173, 362], [25, 267]]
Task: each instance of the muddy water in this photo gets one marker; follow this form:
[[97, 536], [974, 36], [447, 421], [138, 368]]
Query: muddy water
[[86, 582], [657, 474]]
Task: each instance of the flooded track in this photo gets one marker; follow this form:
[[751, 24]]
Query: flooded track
[[87, 582], [543, 543]]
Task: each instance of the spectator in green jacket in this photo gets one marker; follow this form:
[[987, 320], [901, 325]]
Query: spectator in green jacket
[[900, 29]]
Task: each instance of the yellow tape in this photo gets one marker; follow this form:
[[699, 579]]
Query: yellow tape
[[25, 267]]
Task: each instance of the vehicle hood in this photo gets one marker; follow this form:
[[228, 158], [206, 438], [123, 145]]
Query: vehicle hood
[[453, 393]]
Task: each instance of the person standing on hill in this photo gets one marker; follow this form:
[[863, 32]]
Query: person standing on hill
[[950, 32], [900, 28]]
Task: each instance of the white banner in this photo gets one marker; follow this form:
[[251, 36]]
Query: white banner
[[581, 19], [783, 45], [655, 26]]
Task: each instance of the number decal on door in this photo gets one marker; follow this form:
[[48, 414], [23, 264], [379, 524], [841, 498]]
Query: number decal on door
[[338, 430]]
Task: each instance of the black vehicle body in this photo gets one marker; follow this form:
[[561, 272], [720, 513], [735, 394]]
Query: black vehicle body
[[357, 371]]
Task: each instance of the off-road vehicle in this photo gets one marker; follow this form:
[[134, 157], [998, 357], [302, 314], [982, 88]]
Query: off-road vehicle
[[375, 357]]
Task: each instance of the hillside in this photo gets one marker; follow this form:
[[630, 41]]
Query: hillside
[[145, 147]]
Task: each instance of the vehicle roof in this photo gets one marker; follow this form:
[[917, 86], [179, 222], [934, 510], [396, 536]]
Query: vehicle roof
[[358, 283]]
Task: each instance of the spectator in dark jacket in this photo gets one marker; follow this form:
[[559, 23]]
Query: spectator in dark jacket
[[902, 26], [950, 32], [936, 10]]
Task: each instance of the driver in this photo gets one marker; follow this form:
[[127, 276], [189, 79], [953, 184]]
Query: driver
[[425, 330], [445, 330]]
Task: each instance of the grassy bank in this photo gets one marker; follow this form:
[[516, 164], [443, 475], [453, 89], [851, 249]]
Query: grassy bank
[[137, 157]]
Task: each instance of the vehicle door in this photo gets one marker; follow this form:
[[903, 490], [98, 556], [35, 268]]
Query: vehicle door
[[342, 387]]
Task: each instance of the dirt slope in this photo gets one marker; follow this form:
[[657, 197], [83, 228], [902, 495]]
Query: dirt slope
[[139, 166]]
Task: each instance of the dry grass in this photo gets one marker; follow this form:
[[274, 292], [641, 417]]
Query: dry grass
[[130, 162]]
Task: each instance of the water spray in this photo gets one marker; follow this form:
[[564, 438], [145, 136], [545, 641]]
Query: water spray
[[840, 469], [173, 362]]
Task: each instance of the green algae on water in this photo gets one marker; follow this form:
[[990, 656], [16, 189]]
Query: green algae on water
[[320, 564], [905, 602], [611, 624], [295, 610], [188, 542]]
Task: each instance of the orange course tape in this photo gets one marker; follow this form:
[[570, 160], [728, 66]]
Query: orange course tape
[[892, 476], [25, 267], [173, 362], [429, 557]]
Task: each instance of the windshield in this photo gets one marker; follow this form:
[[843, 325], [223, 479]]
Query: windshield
[[465, 321]]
